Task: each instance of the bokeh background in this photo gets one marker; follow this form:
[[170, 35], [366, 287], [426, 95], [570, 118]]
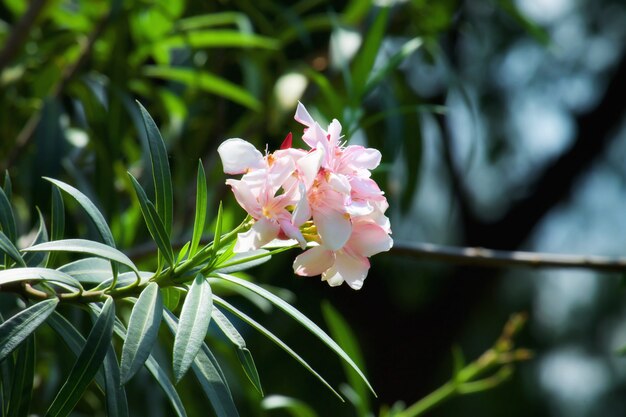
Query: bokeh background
[[501, 124]]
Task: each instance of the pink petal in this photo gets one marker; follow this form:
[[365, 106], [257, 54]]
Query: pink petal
[[313, 262], [302, 212], [362, 158], [262, 232], [302, 116], [368, 239], [315, 137], [246, 197], [334, 132], [339, 183], [334, 227], [292, 232], [239, 156], [309, 166], [350, 269]]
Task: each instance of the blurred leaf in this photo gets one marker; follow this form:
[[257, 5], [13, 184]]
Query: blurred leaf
[[194, 323], [115, 394], [160, 170], [17, 328], [341, 332], [209, 374], [243, 354], [212, 19], [294, 407], [143, 328], [7, 247], [23, 376], [154, 223], [365, 59], [536, 31], [38, 259], [88, 270], [300, 318], [171, 297], [207, 82], [274, 339], [7, 219], [87, 364], [392, 63], [89, 207], [201, 207], [73, 339], [85, 246], [8, 185]]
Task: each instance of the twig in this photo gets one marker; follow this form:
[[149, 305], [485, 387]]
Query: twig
[[505, 259]]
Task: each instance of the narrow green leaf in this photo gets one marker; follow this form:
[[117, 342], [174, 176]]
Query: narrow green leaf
[[36, 275], [57, 225], [294, 407], [207, 82], [23, 376], [89, 207], [7, 219], [171, 297], [243, 354], [184, 251], [194, 323], [143, 328], [364, 61], [73, 339], [300, 318], [88, 270], [8, 185], [153, 222], [274, 339], [7, 247], [242, 261], [6, 376], [17, 328], [341, 332], [87, 364], [85, 246], [209, 374], [115, 394], [219, 221], [392, 63], [38, 259], [160, 170], [201, 206]]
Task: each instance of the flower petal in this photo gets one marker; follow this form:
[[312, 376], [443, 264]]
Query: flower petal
[[334, 227], [362, 158], [302, 212], [239, 156], [262, 231], [368, 239], [246, 197], [302, 116], [353, 270], [313, 262], [309, 166]]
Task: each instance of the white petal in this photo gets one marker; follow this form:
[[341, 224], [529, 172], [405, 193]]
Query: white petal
[[302, 212], [359, 208], [334, 227], [369, 239], [334, 130], [339, 183], [362, 158], [350, 269], [239, 156], [313, 262], [262, 231], [309, 166], [303, 116]]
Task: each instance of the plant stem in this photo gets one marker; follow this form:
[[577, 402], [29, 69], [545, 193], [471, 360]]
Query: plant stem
[[441, 394]]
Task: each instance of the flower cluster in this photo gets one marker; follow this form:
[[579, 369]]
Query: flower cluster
[[323, 198]]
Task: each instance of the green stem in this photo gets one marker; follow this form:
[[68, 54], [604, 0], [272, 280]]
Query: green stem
[[441, 394]]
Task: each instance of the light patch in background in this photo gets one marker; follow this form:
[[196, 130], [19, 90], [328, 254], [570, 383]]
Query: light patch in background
[[344, 44], [289, 89], [573, 380], [545, 11], [76, 137]]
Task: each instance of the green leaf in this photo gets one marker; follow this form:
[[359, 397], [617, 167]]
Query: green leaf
[[73, 339], [57, 222], [36, 275], [294, 407], [89, 207], [392, 63], [17, 328], [274, 339], [209, 374], [7, 219], [364, 61], [38, 259], [184, 251], [171, 297], [341, 332], [219, 221], [143, 328], [88, 270], [219, 39], [201, 206], [154, 223], [244, 260], [194, 323], [243, 354], [207, 82], [160, 170], [7, 247], [85, 246], [115, 395], [23, 376], [87, 364], [300, 318], [8, 185]]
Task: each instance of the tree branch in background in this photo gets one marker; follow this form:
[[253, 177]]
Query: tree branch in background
[[20, 32]]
